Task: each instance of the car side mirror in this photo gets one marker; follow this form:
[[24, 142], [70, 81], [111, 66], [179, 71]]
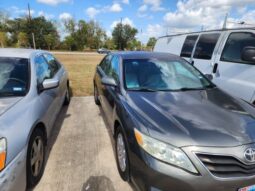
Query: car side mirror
[[209, 76], [108, 81], [49, 84], [248, 54]]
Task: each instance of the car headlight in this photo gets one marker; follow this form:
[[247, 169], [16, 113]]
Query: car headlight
[[164, 152], [3, 146]]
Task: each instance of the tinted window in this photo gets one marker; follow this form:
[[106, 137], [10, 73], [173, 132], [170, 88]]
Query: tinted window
[[235, 45], [206, 45], [14, 76], [106, 64], [114, 72], [53, 63], [42, 69], [162, 75], [188, 45]]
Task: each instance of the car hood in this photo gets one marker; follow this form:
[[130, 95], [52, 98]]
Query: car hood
[[199, 118], [7, 103]]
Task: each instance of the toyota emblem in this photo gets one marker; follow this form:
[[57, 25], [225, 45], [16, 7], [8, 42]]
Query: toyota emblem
[[249, 154]]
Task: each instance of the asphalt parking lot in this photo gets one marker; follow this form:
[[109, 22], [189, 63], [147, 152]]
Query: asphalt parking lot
[[80, 154]]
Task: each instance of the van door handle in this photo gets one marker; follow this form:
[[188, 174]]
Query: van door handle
[[215, 67]]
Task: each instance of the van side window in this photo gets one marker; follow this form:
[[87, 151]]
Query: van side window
[[206, 45], [234, 46], [188, 45]]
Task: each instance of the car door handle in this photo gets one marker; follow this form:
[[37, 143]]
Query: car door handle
[[215, 67]]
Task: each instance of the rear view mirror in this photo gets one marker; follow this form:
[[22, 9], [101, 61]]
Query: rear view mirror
[[248, 54], [49, 84], [108, 81], [209, 76]]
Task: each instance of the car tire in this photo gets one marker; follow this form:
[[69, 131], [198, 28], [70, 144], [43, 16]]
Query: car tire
[[67, 96], [35, 157], [96, 96], [122, 155]]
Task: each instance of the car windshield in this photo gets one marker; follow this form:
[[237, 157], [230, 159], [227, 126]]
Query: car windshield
[[162, 75], [14, 76]]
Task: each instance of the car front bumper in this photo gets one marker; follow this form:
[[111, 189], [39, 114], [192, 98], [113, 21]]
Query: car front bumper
[[150, 174], [13, 177]]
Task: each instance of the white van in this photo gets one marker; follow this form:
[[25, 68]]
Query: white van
[[229, 55]]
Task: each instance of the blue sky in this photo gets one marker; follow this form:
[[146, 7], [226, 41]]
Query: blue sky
[[150, 17]]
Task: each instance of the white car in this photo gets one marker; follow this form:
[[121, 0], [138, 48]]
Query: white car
[[229, 55]]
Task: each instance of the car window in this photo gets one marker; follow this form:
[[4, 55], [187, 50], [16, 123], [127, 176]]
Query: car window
[[42, 69], [206, 45], [162, 74], [53, 63], [14, 76], [106, 64], [114, 71], [188, 45], [234, 46]]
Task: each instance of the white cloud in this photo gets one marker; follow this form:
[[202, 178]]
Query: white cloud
[[46, 15], [21, 12], [191, 15], [143, 8], [125, 21], [92, 12], [125, 1], [115, 8], [155, 5], [65, 16], [53, 2]]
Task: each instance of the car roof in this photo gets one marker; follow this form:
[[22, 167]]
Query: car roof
[[18, 52], [125, 55]]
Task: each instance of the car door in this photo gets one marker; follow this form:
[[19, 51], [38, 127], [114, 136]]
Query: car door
[[231, 72], [48, 98], [203, 53], [60, 74], [108, 67]]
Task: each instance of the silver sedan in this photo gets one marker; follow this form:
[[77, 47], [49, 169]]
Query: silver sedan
[[33, 88]]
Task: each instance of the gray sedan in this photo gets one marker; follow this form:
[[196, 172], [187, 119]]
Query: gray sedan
[[33, 88]]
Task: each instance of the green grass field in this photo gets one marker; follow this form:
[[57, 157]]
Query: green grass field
[[81, 69]]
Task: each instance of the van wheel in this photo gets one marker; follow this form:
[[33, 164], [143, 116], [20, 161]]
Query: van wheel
[[96, 96], [122, 155], [35, 158], [67, 96]]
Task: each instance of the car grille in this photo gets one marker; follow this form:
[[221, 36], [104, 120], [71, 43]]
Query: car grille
[[226, 166]]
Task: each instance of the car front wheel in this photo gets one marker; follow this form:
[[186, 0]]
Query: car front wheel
[[96, 96], [122, 155], [35, 157]]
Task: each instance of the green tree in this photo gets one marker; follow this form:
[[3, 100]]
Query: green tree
[[123, 34], [22, 39], [3, 39], [151, 42], [51, 41], [84, 35], [134, 45]]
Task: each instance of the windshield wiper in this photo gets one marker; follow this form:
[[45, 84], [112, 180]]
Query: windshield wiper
[[143, 89], [190, 89]]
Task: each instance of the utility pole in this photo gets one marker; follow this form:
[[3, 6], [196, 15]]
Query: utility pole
[[225, 22], [120, 39], [30, 24]]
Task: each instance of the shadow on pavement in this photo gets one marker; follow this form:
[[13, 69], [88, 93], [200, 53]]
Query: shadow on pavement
[[98, 183]]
